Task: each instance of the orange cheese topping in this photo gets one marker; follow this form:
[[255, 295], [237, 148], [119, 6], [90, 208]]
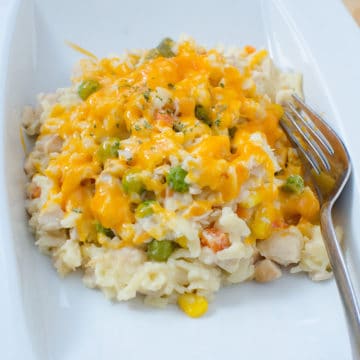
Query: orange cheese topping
[[110, 205], [150, 107]]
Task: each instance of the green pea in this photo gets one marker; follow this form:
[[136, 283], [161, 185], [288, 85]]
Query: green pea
[[294, 184], [160, 250], [145, 209], [176, 179], [165, 46], [108, 149], [132, 183], [87, 87], [163, 49], [106, 231], [202, 114], [152, 54]]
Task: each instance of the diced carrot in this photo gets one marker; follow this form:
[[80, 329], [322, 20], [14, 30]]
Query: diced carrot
[[164, 119], [214, 239], [249, 49]]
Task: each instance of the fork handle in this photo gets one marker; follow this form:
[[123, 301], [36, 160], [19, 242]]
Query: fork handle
[[342, 276]]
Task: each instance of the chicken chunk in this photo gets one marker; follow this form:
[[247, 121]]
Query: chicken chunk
[[29, 166], [266, 270], [50, 218], [49, 144], [283, 246], [31, 121]]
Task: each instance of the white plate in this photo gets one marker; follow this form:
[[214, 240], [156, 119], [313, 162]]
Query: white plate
[[44, 317]]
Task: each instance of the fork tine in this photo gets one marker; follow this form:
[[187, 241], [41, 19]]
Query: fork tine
[[311, 159], [313, 115], [307, 138]]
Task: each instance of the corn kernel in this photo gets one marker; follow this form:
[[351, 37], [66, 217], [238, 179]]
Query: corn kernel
[[261, 226], [57, 110], [182, 241], [193, 305]]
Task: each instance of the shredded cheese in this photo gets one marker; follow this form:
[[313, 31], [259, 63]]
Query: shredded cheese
[[191, 109]]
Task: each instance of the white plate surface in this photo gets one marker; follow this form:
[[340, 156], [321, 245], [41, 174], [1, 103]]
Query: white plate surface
[[44, 317]]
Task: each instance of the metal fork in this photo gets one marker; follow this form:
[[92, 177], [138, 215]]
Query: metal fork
[[329, 165]]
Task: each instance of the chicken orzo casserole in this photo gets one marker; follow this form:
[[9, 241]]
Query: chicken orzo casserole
[[164, 172]]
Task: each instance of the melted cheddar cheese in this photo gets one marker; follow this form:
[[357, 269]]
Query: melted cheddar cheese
[[149, 105]]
